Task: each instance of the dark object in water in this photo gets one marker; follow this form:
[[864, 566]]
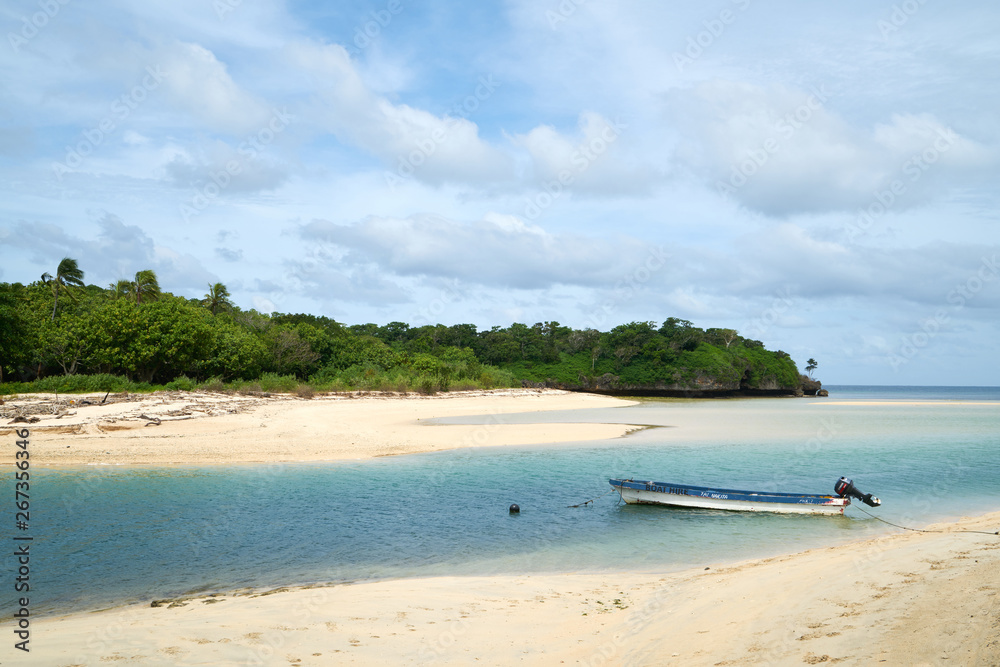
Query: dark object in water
[[845, 487], [514, 509]]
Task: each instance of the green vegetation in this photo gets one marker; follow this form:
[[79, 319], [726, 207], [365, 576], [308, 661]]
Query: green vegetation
[[132, 336], [68, 275]]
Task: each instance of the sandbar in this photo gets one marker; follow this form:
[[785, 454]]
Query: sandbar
[[168, 428], [906, 403]]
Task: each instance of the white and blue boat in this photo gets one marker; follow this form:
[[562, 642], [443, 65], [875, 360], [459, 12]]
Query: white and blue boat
[[636, 492]]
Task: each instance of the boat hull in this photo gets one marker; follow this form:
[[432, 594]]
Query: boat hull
[[677, 495]]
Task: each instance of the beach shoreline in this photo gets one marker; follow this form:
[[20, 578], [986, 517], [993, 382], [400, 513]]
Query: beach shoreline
[[176, 428], [903, 598]]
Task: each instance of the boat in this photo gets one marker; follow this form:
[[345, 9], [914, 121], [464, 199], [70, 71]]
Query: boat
[[636, 492]]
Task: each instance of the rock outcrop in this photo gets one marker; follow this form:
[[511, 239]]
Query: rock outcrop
[[811, 387]]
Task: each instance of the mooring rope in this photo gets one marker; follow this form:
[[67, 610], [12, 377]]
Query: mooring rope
[[922, 530], [592, 499]]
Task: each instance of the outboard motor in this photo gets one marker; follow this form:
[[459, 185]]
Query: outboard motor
[[845, 487]]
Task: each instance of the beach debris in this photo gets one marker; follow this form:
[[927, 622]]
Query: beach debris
[[171, 603], [24, 420], [283, 589], [131, 410]]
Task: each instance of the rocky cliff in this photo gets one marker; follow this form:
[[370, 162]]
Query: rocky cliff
[[811, 387]]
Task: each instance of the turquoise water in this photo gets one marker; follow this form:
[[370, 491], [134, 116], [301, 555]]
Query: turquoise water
[[917, 393], [106, 536]]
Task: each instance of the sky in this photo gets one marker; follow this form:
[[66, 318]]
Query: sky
[[819, 176]]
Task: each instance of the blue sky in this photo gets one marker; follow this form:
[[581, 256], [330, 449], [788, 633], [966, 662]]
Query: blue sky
[[819, 176]]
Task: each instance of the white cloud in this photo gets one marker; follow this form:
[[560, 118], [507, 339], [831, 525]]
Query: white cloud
[[263, 305], [497, 250], [323, 279], [592, 162], [237, 169], [118, 250], [789, 256], [780, 151], [199, 83], [133, 138], [409, 141]]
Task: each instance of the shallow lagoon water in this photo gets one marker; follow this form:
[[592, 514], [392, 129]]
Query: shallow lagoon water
[[107, 536]]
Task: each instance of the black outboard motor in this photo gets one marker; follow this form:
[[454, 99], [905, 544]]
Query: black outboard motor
[[845, 487]]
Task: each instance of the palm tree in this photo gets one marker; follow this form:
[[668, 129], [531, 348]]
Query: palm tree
[[120, 289], [811, 365], [68, 275], [145, 285], [217, 297]]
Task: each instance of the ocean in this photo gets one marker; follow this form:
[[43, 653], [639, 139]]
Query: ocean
[[106, 536]]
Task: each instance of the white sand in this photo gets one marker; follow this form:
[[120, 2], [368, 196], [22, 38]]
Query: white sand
[[907, 599], [215, 428]]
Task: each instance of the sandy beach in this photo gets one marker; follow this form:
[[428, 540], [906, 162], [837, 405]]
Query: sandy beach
[[180, 427], [905, 599], [909, 598]]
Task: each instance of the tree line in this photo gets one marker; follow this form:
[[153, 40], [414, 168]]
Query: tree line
[[59, 329]]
